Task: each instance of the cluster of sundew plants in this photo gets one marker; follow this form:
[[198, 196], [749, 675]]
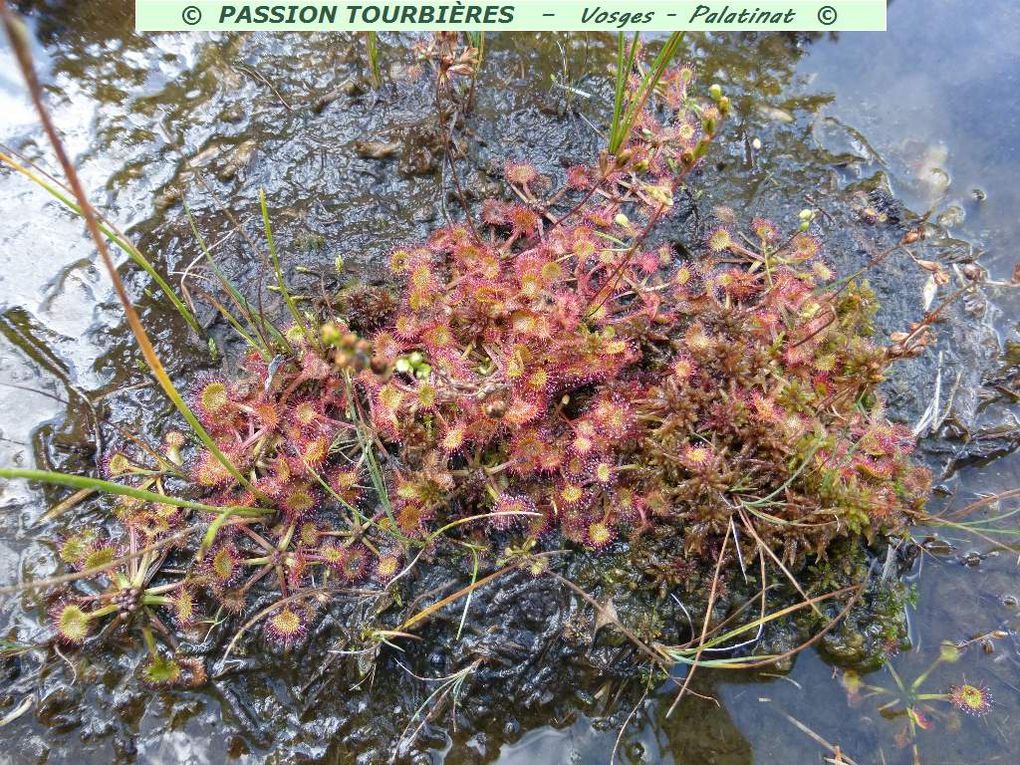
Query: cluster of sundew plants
[[510, 369], [595, 386], [763, 409], [291, 451], [544, 372], [552, 369], [292, 524]]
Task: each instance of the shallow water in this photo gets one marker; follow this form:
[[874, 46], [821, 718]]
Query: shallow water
[[926, 105]]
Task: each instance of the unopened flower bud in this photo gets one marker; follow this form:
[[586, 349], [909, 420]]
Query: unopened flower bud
[[715, 91], [330, 333]]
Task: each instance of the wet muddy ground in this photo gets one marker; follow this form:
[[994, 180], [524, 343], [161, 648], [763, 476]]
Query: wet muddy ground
[[912, 123]]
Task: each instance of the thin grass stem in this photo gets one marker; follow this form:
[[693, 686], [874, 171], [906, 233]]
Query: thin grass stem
[[299, 320]]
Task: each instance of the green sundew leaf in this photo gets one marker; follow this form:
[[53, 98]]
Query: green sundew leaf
[[160, 671]]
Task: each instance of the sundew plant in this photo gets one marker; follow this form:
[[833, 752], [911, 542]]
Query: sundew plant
[[546, 376]]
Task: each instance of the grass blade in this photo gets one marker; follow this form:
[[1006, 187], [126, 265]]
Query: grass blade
[[426, 612], [624, 65], [622, 127], [238, 299], [372, 47], [110, 487], [62, 507], [281, 283]]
